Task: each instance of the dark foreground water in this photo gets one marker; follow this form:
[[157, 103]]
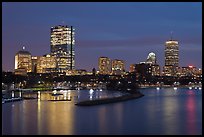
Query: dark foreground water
[[164, 111]]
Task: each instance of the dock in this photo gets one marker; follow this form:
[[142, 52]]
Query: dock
[[11, 100]]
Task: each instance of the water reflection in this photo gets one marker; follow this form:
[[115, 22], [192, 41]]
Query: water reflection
[[191, 113], [159, 112]]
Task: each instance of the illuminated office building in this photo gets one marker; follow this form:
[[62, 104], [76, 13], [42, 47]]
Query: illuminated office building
[[152, 60], [23, 62], [104, 64], [145, 71], [62, 47], [45, 64], [171, 58], [132, 68], [148, 68], [155, 70], [191, 71], [118, 67]]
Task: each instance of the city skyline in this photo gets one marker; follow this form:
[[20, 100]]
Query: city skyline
[[100, 32]]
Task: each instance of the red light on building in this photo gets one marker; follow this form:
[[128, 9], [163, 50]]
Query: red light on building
[[190, 66]]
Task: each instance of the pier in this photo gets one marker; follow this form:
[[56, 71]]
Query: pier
[[110, 100]]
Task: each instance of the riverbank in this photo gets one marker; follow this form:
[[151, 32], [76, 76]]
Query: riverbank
[[11, 100], [110, 100]]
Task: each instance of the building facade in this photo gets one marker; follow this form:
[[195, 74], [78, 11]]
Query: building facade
[[23, 63], [46, 64], [118, 67], [104, 65], [171, 58], [151, 58], [132, 68], [62, 44]]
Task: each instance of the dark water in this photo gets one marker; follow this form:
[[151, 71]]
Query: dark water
[[165, 111]]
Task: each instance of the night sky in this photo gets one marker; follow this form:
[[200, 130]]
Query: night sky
[[119, 30]]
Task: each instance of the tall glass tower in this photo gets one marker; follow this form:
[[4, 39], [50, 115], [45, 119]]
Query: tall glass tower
[[62, 47]]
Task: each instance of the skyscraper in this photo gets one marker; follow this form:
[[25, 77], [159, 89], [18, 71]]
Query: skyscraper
[[171, 53], [62, 44], [23, 62], [171, 58]]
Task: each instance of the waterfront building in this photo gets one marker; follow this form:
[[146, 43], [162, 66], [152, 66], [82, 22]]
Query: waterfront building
[[118, 67], [148, 68], [155, 70], [191, 71], [143, 71], [62, 43], [171, 58], [104, 65], [170, 70], [46, 64], [23, 63]]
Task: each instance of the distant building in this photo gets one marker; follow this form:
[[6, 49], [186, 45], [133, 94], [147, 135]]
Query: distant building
[[104, 65], [151, 59], [118, 67], [143, 71], [155, 70], [34, 63], [23, 63], [132, 68], [62, 47], [148, 68], [191, 71], [169, 70], [46, 64], [171, 58]]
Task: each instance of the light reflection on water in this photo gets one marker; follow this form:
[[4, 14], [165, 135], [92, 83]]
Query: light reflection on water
[[164, 111]]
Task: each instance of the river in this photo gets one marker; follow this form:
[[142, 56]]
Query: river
[[166, 111]]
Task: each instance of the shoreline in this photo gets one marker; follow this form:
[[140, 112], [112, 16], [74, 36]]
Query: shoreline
[[110, 100]]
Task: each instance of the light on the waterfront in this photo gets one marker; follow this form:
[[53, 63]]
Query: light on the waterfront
[[12, 94], [195, 87], [69, 95], [38, 95], [54, 91], [91, 91], [199, 88], [175, 88]]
